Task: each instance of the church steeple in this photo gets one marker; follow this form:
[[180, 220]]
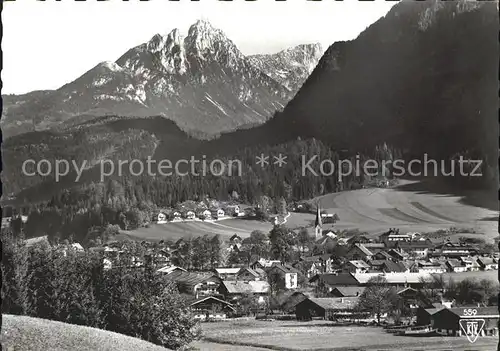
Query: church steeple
[[318, 224]]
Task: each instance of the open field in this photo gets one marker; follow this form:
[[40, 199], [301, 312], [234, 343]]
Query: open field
[[375, 210], [21, 333], [226, 228], [322, 335]]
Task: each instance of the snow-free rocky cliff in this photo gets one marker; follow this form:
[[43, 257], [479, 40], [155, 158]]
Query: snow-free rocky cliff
[[201, 81]]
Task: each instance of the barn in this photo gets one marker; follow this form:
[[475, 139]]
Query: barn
[[327, 308], [447, 320]]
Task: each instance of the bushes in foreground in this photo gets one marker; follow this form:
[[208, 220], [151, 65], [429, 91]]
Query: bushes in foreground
[[74, 288]]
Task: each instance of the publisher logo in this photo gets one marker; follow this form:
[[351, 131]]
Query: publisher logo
[[472, 328]]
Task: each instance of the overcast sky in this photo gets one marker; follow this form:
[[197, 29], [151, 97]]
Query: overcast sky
[[48, 44]]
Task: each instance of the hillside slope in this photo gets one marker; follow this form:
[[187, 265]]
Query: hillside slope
[[23, 333], [423, 78]]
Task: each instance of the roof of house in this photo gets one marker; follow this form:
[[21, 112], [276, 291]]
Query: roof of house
[[349, 290], [385, 254], [454, 262], [335, 303], [203, 299], [393, 278], [227, 270], [189, 278], [170, 269], [389, 266], [336, 279], [284, 268], [240, 287], [359, 264], [485, 260], [363, 249], [249, 270]]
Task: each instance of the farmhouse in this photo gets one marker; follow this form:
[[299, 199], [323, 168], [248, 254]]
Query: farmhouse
[[356, 266], [455, 265], [387, 266], [170, 269], [233, 290], [248, 274], [189, 215], [161, 218], [325, 283], [176, 216], [227, 273], [358, 252], [289, 300], [211, 307], [205, 214], [196, 284], [286, 273], [487, 263], [327, 308], [217, 213], [232, 210], [447, 320]]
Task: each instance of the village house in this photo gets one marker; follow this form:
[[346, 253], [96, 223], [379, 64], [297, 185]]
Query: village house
[[414, 299], [428, 267], [286, 273], [419, 249], [211, 307], [289, 299], [470, 263], [487, 263], [176, 216], [189, 215], [217, 213], [453, 250], [359, 239], [324, 283], [356, 266], [262, 263], [248, 274], [382, 255], [387, 266], [397, 255], [204, 214], [374, 247], [232, 210], [235, 239], [328, 308], [161, 218], [196, 284], [392, 237], [233, 290], [358, 252], [228, 273], [319, 263], [454, 265], [347, 291], [170, 269]]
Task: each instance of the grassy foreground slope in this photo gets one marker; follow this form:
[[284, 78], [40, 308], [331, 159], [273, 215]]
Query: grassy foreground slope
[[22, 333]]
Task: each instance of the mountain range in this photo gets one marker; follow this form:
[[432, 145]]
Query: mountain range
[[423, 79], [201, 81]]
